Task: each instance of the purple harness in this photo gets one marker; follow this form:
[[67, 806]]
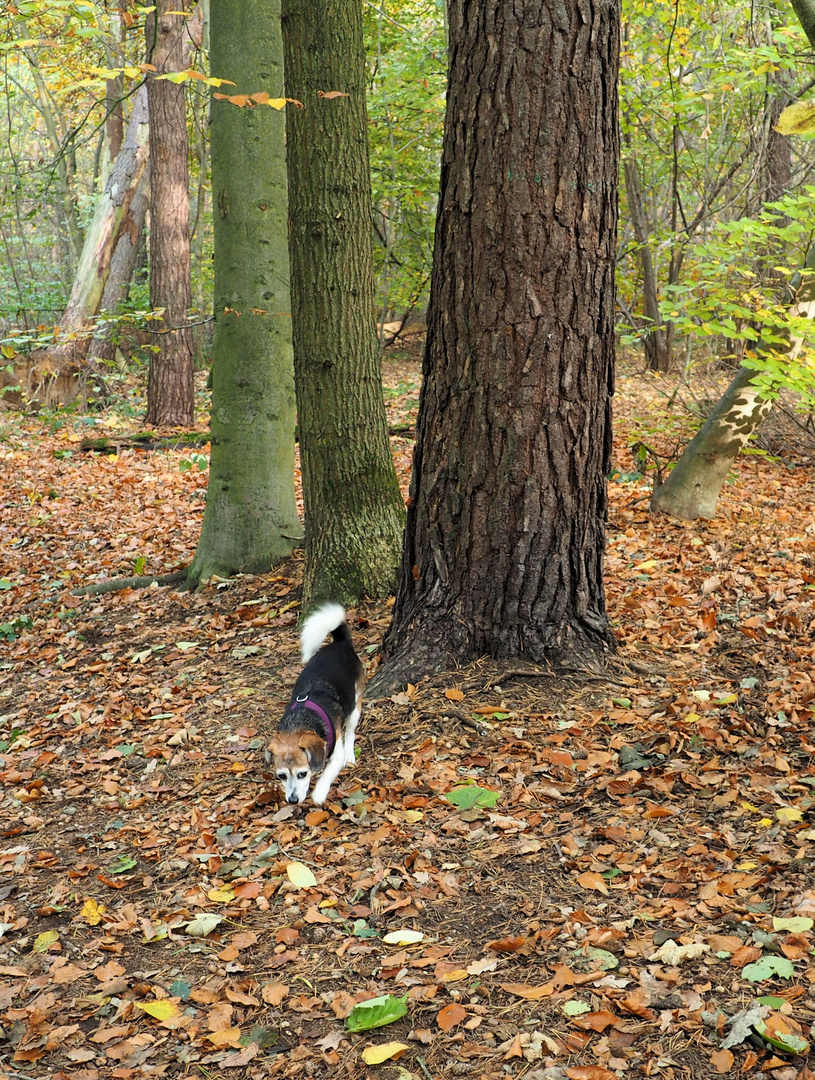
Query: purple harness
[[325, 720]]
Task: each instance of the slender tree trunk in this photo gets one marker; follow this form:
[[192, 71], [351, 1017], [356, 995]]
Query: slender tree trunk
[[170, 391], [251, 517], [657, 341], [54, 375], [504, 543], [122, 268], [694, 484], [354, 510], [62, 170]]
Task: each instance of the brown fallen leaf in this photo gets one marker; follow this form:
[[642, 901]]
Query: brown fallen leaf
[[515, 1049], [510, 944], [529, 993], [590, 1072], [589, 879], [595, 1021], [274, 992], [451, 1015], [722, 1060]]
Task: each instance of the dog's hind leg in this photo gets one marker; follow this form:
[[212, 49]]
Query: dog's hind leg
[[351, 722]]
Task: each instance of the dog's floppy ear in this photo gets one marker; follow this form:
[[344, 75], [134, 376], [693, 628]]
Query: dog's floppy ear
[[314, 748], [272, 749]]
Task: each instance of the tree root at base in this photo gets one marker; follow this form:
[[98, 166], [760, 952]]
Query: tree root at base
[[117, 584]]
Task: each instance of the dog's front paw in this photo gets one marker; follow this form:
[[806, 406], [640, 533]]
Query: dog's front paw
[[318, 796]]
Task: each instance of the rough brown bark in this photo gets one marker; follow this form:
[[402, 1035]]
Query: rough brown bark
[[504, 544], [170, 380], [354, 513]]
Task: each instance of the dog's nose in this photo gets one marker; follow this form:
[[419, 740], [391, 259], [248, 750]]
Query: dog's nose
[[293, 799]]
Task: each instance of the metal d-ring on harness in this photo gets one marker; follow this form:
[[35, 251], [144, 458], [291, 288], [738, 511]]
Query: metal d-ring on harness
[[305, 702]]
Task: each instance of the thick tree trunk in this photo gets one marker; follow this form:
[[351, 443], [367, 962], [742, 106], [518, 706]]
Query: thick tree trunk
[[658, 341], [54, 376], [170, 392], [251, 517], [504, 543], [354, 510]]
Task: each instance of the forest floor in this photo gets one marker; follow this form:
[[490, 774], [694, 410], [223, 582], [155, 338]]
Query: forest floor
[[602, 877]]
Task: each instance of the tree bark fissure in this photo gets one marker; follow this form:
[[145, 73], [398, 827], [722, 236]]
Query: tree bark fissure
[[504, 542]]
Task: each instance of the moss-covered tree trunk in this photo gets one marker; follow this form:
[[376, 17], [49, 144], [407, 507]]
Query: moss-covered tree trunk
[[354, 510], [251, 517]]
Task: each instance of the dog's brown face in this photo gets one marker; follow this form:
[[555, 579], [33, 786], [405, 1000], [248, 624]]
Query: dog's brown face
[[297, 756]]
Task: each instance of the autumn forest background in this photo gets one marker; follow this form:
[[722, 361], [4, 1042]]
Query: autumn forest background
[[577, 856]]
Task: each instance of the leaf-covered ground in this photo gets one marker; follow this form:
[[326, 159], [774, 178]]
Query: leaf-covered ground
[[604, 877]]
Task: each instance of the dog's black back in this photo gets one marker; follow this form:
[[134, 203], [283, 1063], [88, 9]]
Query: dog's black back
[[328, 671]]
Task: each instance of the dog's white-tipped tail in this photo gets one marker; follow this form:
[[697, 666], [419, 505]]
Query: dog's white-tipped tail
[[318, 626]]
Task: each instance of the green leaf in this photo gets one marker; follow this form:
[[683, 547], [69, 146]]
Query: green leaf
[[470, 795], [361, 929], [766, 967], [376, 1013], [204, 924], [180, 989], [123, 864], [575, 1008], [795, 924], [785, 1041]]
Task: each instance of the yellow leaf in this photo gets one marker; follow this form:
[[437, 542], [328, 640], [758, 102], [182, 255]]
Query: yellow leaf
[[649, 564], [301, 876], [413, 815], [225, 1037], [455, 976], [276, 102], [43, 942], [403, 937], [92, 912], [692, 717], [798, 119], [375, 1055], [789, 813], [222, 896], [751, 806], [161, 1010], [728, 699]]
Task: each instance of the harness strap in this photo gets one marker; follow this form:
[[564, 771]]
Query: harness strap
[[325, 720]]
